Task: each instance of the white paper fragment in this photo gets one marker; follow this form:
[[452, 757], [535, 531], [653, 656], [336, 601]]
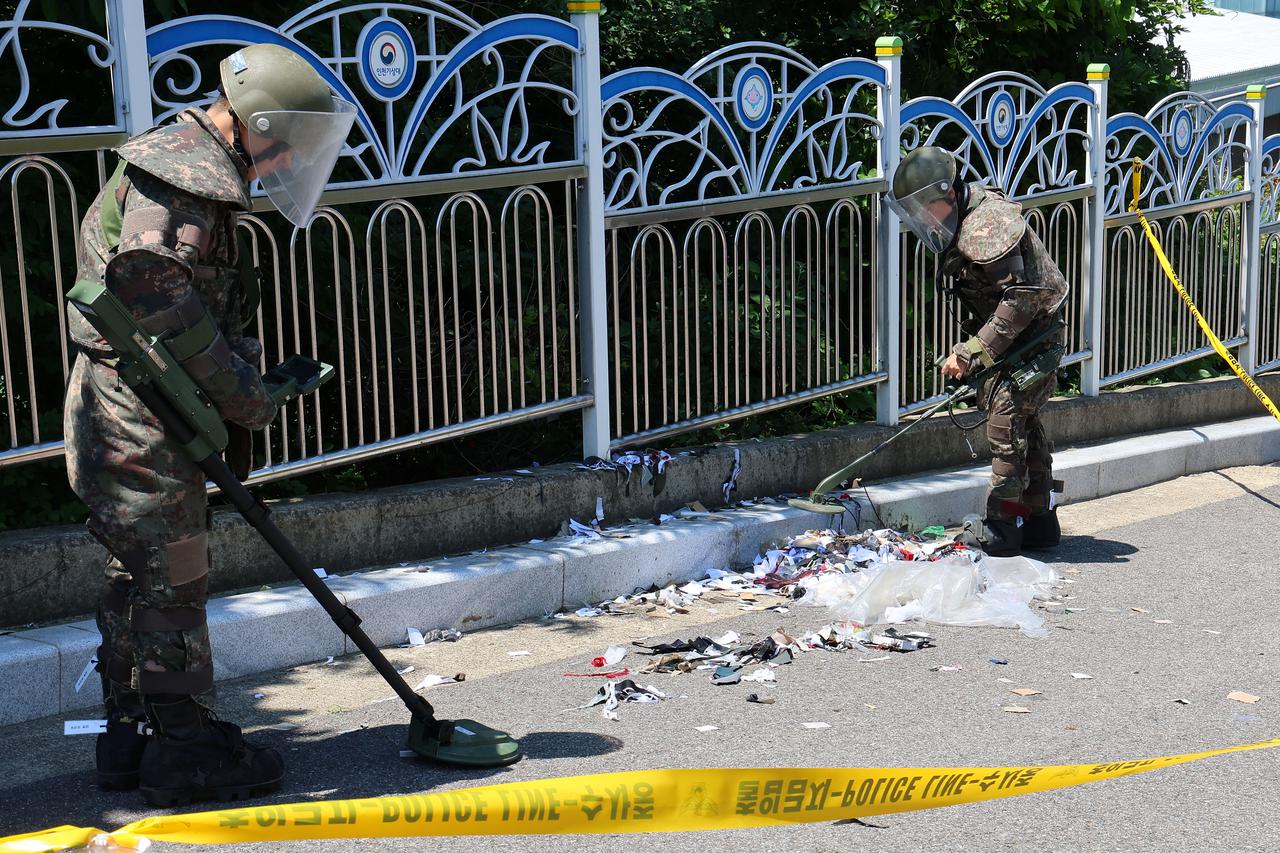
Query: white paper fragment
[[761, 675], [415, 637], [520, 654], [707, 729], [408, 753], [535, 541], [84, 674], [434, 680], [1080, 675], [405, 671], [728, 639], [84, 727], [816, 725], [599, 509], [320, 573], [1206, 630], [259, 696], [589, 611], [614, 654], [329, 661], [283, 727]]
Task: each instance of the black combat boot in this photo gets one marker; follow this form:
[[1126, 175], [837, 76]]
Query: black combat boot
[[119, 754], [1041, 531], [196, 757], [1002, 538]]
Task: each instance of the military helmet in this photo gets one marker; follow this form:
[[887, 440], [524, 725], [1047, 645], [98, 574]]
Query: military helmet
[[267, 77], [923, 195], [294, 125]]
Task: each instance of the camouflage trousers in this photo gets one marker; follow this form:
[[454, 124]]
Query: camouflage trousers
[[1021, 454], [148, 506]]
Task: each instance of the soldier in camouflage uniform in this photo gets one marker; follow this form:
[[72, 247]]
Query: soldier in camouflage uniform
[[1011, 289], [177, 267]]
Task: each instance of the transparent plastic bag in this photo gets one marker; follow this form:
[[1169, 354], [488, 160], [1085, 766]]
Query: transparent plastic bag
[[992, 592]]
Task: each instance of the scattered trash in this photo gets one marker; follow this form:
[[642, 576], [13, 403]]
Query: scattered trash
[[405, 671], [999, 661], [1025, 691], [892, 641], [757, 699], [448, 635], [1247, 698], [283, 727], [408, 753], [945, 668], [1005, 680], [707, 729], [614, 693], [1080, 675], [1016, 709], [519, 654], [616, 674], [259, 696], [1182, 701], [612, 656], [1239, 717], [727, 675], [329, 661], [436, 680], [760, 675], [1162, 621], [731, 484], [321, 573], [416, 638], [588, 612], [83, 727], [816, 725], [1207, 631], [84, 673], [1139, 610]]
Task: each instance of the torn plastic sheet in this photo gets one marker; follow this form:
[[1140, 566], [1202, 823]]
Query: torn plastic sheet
[[955, 590], [612, 694], [731, 485]]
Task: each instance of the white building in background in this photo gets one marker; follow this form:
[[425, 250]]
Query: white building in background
[[1234, 49]]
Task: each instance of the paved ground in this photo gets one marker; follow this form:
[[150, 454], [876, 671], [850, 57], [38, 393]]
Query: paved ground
[[1198, 552]]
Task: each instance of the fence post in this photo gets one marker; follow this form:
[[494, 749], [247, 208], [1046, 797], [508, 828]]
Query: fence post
[[1251, 239], [596, 432], [127, 28], [889, 313], [1095, 250]]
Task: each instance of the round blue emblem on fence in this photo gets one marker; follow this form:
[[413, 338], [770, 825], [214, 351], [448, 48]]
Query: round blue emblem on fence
[[387, 58], [1182, 133], [753, 97], [1000, 118]]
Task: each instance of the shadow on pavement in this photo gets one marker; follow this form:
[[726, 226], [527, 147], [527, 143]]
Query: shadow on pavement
[[1086, 549], [568, 744]]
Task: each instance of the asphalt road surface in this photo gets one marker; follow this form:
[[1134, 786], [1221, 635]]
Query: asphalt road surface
[[1172, 596]]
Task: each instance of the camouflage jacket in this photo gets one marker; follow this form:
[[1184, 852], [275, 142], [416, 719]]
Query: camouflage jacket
[[177, 260], [1002, 275]]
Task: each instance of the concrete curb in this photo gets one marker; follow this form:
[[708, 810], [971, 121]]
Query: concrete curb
[[258, 631]]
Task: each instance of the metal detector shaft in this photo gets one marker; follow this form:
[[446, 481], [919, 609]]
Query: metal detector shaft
[[259, 517], [834, 480]]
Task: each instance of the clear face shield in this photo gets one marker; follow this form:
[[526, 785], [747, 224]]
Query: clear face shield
[[930, 213], [294, 152]]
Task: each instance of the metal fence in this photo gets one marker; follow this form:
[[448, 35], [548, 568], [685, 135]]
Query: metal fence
[[507, 236]]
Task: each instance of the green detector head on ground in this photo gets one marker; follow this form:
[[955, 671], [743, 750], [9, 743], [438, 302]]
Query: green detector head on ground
[[815, 503], [462, 742]]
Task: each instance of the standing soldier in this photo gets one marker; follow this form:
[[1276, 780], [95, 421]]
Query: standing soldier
[[161, 236], [1005, 280]]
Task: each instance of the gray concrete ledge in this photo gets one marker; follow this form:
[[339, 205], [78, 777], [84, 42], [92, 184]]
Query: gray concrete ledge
[[55, 573], [280, 627]]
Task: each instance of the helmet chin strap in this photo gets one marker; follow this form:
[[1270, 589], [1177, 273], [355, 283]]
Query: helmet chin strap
[[237, 144]]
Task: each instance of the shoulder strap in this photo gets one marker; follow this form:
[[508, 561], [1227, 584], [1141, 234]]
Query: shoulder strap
[[111, 216]]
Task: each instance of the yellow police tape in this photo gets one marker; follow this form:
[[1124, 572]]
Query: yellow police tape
[[1195, 312], [634, 801]]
